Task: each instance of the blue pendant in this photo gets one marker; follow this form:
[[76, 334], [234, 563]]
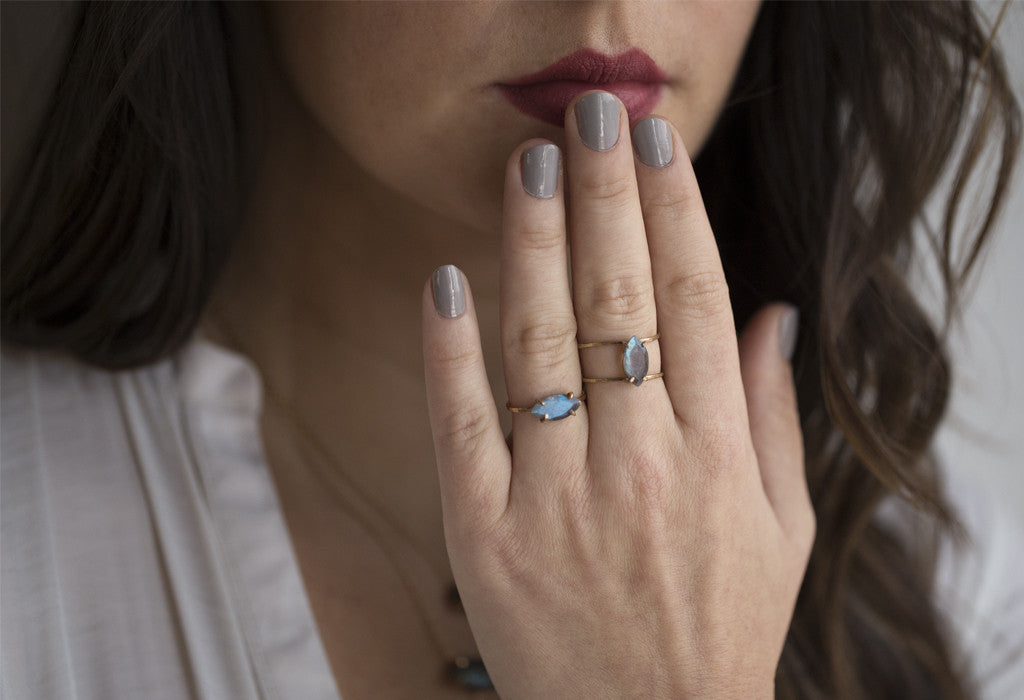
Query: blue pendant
[[635, 361], [556, 407], [469, 674]]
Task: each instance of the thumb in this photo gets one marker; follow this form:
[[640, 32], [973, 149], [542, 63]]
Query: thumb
[[766, 345]]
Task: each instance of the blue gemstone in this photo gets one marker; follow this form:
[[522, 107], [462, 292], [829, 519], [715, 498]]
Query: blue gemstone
[[470, 674], [635, 361], [555, 407]]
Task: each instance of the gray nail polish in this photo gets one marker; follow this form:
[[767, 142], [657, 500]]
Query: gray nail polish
[[540, 170], [653, 141], [597, 117], [789, 324], [449, 296]]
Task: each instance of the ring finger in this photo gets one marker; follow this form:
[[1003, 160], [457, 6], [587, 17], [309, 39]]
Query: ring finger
[[538, 329]]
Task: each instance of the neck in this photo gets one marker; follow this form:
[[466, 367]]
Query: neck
[[323, 294]]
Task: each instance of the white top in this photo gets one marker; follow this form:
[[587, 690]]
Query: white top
[[144, 553]]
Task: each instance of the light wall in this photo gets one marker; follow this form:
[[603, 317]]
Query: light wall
[[984, 431]]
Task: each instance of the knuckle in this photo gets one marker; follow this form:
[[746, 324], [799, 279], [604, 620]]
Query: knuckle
[[701, 294], [723, 449], [463, 432], [504, 556], [540, 237], [672, 204], [575, 502], [651, 482], [618, 301], [544, 344], [453, 359], [615, 190]]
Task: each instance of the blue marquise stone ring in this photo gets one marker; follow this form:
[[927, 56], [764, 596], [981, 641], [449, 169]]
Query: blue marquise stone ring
[[553, 407]]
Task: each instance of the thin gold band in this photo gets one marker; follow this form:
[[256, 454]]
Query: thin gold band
[[601, 380], [600, 343]]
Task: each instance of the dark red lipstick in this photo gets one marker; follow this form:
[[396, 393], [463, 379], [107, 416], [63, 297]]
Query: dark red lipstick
[[632, 76]]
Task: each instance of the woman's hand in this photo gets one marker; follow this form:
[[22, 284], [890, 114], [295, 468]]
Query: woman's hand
[[653, 544]]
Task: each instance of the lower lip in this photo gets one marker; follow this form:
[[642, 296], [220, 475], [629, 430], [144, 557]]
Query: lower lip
[[548, 101]]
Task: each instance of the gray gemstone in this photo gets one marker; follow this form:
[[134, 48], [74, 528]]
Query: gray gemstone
[[555, 407], [635, 361]]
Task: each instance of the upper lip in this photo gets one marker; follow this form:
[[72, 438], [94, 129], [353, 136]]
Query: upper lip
[[591, 66]]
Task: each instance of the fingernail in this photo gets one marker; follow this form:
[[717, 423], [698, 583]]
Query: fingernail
[[653, 141], [789, 325], [449, 296], [540, 170], [597, 117]]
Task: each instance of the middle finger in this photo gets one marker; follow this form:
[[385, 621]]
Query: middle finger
[[613, 291]]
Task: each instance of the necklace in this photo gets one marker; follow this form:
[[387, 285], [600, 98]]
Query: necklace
[[465, 671]]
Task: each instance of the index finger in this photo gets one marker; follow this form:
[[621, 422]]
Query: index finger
[[699, 353]]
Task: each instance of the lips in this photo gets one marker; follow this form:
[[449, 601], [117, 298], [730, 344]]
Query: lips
[[632, 76]]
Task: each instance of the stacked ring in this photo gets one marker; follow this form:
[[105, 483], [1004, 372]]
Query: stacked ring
[[635, 360], [635, 363]]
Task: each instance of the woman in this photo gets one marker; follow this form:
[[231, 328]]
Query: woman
[[238, 232]]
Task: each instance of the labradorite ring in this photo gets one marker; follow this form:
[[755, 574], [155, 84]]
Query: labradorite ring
[[635, 360], [553, 407]]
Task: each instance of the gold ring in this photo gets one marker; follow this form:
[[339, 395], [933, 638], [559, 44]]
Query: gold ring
[[637, 382], [553, 407], [600, 343]]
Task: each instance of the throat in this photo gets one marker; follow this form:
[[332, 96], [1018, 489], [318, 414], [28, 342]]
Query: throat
[[343, 462], [379, 589]]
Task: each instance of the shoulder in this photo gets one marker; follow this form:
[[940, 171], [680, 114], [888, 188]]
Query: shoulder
[[144, 554], [68, 423], [979, 585], [79, 558], [76, 431]]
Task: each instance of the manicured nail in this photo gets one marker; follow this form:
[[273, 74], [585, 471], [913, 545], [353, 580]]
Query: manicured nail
[[597, 117], [653, 141], [540, 170], [449, 296], [789, 325]]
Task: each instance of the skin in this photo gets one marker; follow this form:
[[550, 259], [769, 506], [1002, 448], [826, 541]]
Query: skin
[[652, 544]]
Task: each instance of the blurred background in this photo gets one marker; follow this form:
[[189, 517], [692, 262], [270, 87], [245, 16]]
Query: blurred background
[[984, 429], [984, 432]]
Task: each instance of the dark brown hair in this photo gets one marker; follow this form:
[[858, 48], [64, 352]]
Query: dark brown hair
[[843, 118], [114, 235]]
